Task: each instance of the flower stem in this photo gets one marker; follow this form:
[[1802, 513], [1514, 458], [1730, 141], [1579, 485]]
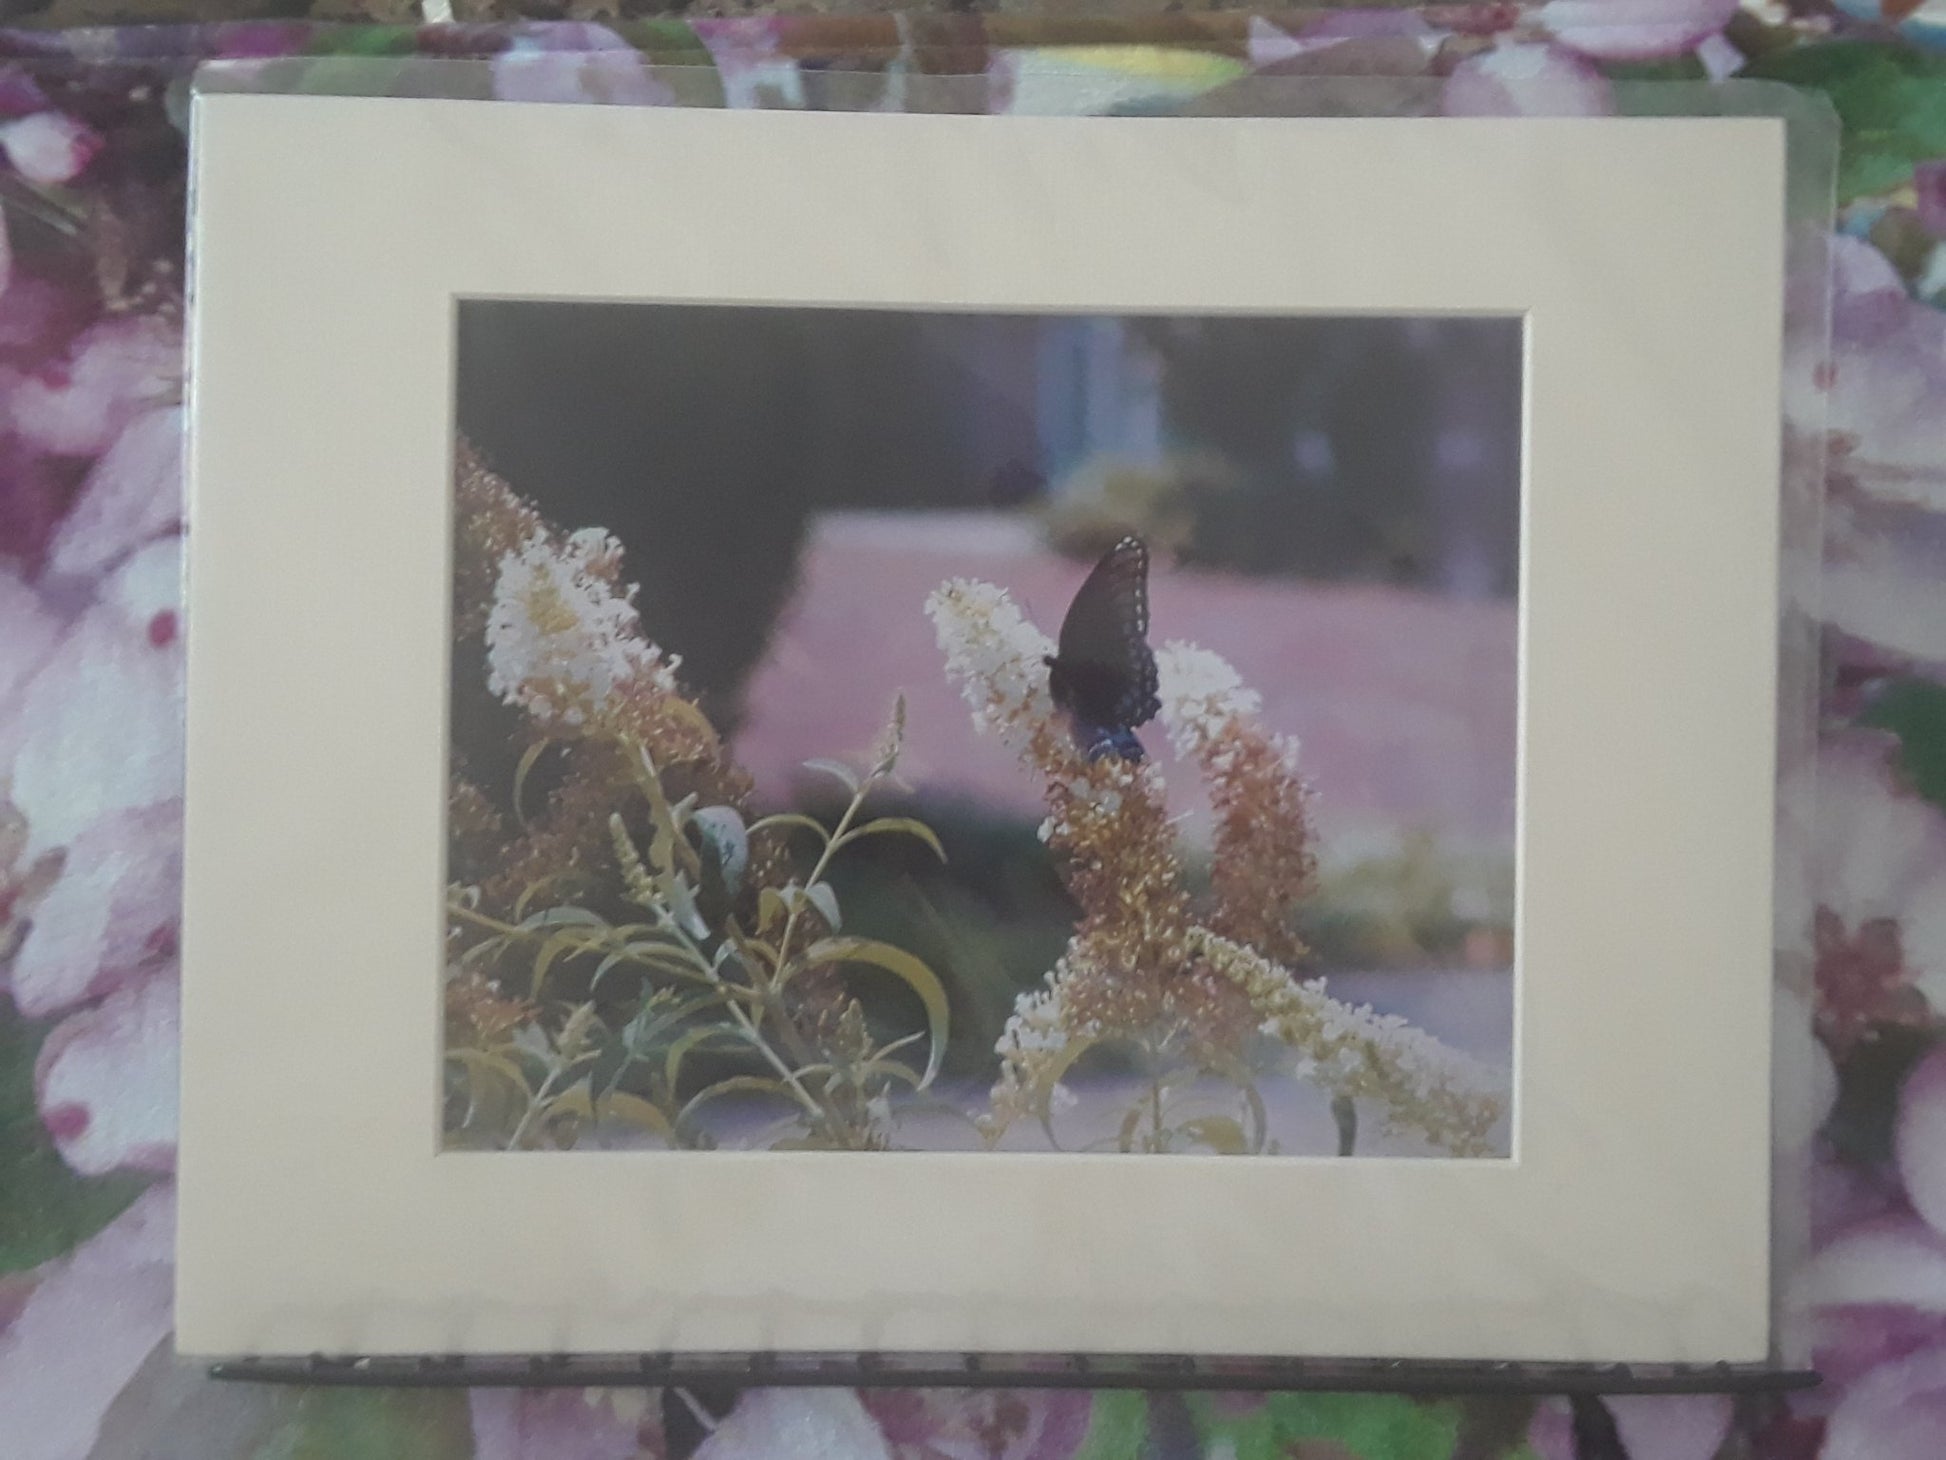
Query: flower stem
[[1345, 1112], [818, 870], [534, 1107]]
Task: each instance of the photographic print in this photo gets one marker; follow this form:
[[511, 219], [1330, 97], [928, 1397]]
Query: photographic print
[[886, 730]]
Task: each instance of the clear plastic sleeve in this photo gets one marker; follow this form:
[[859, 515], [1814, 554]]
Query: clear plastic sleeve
[[1143, 546]]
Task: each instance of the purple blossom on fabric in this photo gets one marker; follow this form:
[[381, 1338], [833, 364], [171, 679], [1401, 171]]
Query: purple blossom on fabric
[[767, 1423], [49, 147], [584, 63], [751, 61], [91, 1321], [1673, 1427], [942, 1424], [1634, 30], [1876, 394], [1528, 79]]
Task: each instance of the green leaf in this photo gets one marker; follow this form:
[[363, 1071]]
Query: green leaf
[[1915, 711], [570, 940], [1048, 1079], [563, 917], [522, 771], [750, 953], [804, 1143], [480, 1062], [1220, 1133], [1686, 67], [548, 884], [45, 1209], [823, 897], [665, 41], [790, 819], [364, 40], [900, 825], [372, 1424], [1118, 1427], [723, 833], [887, 1069], [635, 1111], [1259, 1117], [650, 955], [483, 951], [901, 965], [376, 75], [681, 899], [836, 768], [735, 1084], [686, 1044], [669, 851], [497, 1093], [577, 1100], [620, 958], [1366, 1426], [1890, 99]]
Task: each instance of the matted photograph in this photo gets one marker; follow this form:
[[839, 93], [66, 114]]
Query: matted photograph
[[956, 772], [887, 730]]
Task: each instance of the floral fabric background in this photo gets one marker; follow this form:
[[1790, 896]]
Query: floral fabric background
[[90, 743]]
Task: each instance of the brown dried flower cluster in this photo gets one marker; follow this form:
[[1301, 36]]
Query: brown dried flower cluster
[[1262, 864], [1107, 825], [490, 521], [1415, 1080], [477, 1013], [1148, 967]]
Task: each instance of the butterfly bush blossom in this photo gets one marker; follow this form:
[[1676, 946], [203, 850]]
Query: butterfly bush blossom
[[563, 643], [1148, 964], [560, 637], [617, 904]]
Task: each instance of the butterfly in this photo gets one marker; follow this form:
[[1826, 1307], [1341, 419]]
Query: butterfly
[[1102, 672]]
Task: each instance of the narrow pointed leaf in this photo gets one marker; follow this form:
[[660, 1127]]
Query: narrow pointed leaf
[[782, 819], [478, 1062], [571, 940], [736, 1084], [835, 768], [521, 771], [1220, 1133], [910, 970], [902, 826], [729, 844], [823, 897], [634, 1110]]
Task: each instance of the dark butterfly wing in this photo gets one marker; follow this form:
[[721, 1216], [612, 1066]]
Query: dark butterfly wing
[[1104, 672]]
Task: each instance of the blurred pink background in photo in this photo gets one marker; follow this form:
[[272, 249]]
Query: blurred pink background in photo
[[1405, 702]]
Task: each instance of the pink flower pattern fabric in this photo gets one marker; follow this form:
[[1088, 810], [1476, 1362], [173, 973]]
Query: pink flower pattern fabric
[[91, 700]]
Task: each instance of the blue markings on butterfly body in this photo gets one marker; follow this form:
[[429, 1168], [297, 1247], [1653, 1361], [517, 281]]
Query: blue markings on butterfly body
[[1101, 741]]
